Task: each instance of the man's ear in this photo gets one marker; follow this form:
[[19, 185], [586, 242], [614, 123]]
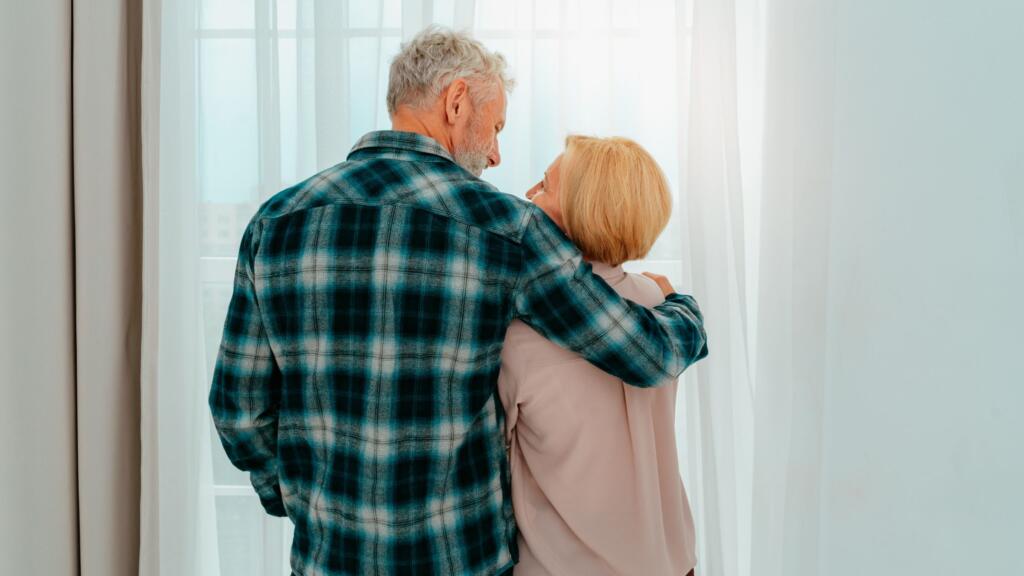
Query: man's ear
[[456, 100]]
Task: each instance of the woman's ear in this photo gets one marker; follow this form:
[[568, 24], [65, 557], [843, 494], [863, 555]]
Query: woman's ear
[[456, 100]]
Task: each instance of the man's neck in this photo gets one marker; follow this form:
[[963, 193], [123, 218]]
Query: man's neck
[[422, 122]]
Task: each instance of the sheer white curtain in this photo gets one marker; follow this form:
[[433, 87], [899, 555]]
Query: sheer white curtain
[[179, 529], [892, 264], [721, 199], [245, 97], [792, 338]]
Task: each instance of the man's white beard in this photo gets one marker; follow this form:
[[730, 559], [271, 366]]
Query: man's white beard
[[472, 161], [473, 158]]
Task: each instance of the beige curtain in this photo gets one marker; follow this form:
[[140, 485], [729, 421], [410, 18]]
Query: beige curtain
[[38, 495], [70, 242]]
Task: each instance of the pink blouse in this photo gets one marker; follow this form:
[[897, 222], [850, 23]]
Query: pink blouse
[[595, 474]]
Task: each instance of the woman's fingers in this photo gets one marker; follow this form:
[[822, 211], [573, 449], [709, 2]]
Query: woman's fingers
[[663, 283]]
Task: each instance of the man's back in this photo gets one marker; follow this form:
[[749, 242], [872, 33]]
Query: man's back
[[357, 376]]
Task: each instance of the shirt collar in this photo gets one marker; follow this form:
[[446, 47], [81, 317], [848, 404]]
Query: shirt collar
[[402, 141]]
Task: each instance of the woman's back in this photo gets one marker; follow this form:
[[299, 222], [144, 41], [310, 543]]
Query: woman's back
[[595, 472]]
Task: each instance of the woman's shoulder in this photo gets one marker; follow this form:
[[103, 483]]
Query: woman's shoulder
[[525, 347], [640, 289]]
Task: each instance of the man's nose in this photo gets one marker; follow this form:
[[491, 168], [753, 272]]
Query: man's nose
[[494, 157]]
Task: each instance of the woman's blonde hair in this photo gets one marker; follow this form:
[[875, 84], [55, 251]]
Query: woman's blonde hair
[[614, 198]]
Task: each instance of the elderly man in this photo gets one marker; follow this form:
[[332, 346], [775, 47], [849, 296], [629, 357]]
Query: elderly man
[[356, 379]]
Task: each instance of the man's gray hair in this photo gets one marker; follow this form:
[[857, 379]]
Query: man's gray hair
[[436, 57]]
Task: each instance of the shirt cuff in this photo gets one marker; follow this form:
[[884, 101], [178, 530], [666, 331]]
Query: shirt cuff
[[269, 490]]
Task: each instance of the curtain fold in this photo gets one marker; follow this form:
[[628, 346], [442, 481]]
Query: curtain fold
[[179, 528], [107, 240], [70, 311], [794, 271], [718, 396]]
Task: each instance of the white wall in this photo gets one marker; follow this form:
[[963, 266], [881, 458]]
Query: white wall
[[37, 416], [923, 435]]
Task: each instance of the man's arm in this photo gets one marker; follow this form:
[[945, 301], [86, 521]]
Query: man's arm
[[560, 297], [246, 386]]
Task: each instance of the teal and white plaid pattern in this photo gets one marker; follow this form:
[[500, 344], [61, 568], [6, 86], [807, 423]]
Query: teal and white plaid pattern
[[356, 379]]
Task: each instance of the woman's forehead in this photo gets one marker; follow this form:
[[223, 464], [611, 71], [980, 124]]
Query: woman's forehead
[[553, 167]]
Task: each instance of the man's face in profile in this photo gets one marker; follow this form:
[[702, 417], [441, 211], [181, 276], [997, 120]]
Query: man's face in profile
[[477, 149]]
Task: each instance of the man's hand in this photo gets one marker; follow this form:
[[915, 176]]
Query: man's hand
[[663, 283]]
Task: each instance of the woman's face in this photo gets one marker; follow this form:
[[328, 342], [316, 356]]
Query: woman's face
[[545, 193]]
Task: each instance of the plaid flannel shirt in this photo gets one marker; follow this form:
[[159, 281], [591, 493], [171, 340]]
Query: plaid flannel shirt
[[356, 378]]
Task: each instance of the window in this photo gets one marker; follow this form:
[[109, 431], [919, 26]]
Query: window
[[284, 88]]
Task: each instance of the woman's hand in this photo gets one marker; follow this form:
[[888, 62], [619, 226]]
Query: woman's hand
[[663, 283]]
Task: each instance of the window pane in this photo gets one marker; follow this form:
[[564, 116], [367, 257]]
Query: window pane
[[229, 14], [586, 85], [589, 15], [240, 535], [625, 14], [392, 14], [221, 227], [548, 15], [306, 162], [524, 15], [286, 14], [547, 131], [305, 13], [389, 47], [216, 296], [287, 535], [660, 15], [228, 122], [224, 472], [375, 14], [363, 69], [629, 64], [365, 72], [287, 71], [364, 14], [660, 105], [495, 14], [669, 246]]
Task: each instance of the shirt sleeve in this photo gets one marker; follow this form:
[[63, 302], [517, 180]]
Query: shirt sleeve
[[245, 393], [559, 296]]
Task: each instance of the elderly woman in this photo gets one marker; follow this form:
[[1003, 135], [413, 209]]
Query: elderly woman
[[595, 476]]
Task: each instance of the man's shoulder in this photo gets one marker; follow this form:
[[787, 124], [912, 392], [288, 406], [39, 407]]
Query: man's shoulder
[[320, 189], [445, 188], [442, 188], [478, 203]]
